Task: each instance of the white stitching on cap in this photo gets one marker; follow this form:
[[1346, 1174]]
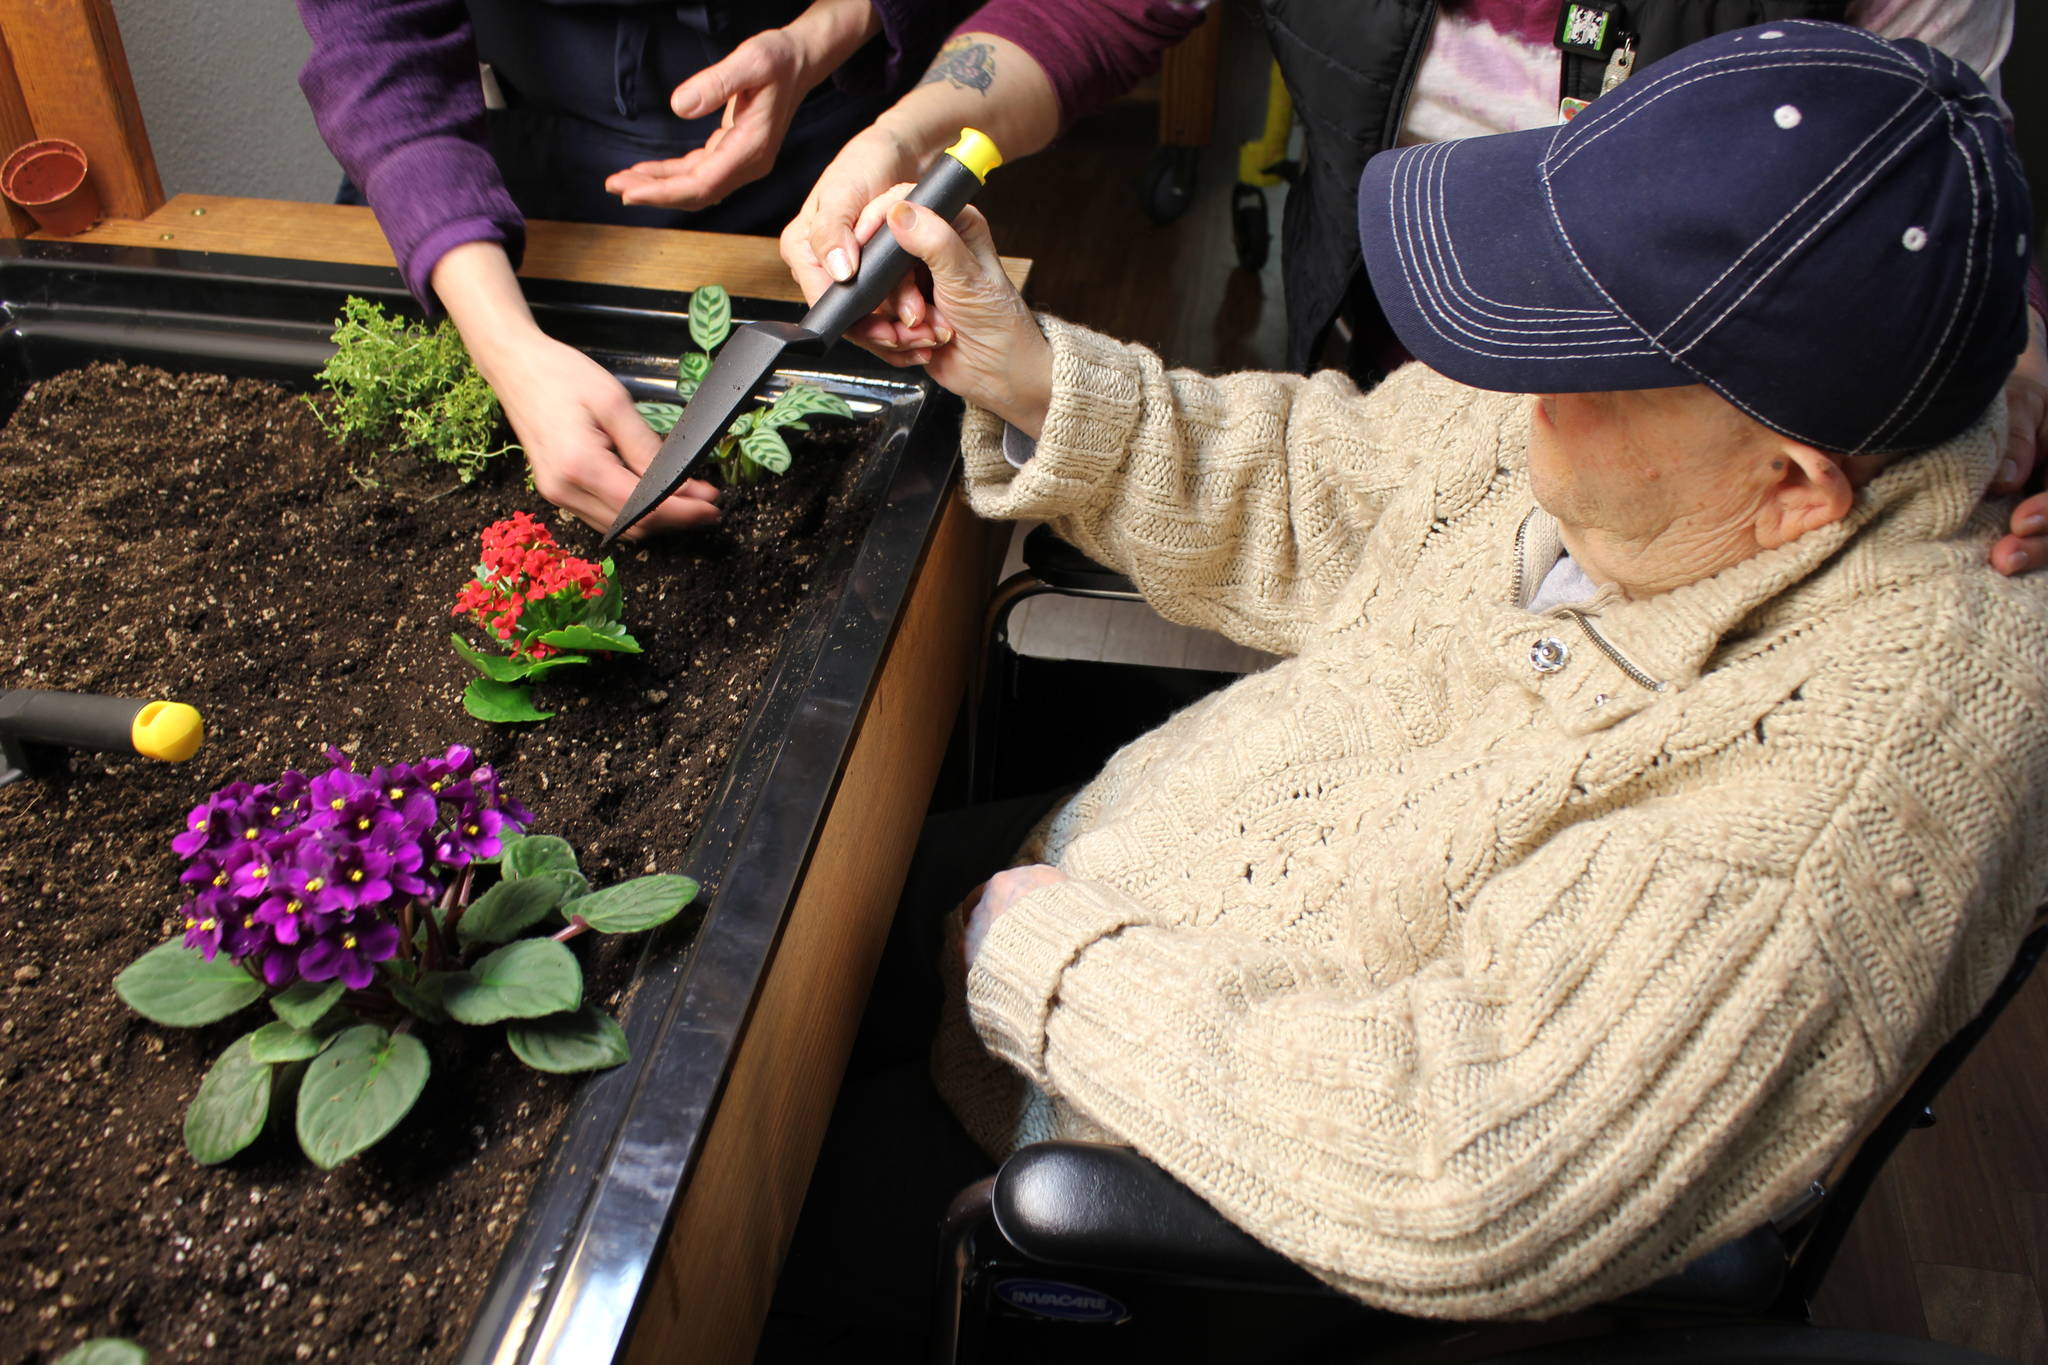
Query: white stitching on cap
[[1472, 296], [1825, 220], [1404, 228], [1899, 418], [1882, 131], [1692, 74]]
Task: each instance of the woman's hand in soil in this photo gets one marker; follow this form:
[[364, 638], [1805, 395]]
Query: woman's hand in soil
[[582, 436], [586, 443], [987, 347]]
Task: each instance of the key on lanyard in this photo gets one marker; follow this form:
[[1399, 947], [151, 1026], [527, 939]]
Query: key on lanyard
[[1619, 66]]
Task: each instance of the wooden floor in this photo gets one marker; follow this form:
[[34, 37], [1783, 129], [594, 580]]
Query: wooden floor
[[1953, 1244]]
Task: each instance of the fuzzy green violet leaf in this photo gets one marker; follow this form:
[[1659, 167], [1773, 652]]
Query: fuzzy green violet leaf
[[500, 703], [304, 1003], [175, 985], [710, 316], [512, 906], [765, 447], [527, 855], [496, 667], [278, 1041], [228, 1112], [358, 1091], [585, 1039], [105, 1351], [662, 417], [523, 980], [611, 638], [422, 998], [638, 904]]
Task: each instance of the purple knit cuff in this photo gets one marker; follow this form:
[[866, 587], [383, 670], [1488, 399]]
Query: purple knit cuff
[[436, 194]]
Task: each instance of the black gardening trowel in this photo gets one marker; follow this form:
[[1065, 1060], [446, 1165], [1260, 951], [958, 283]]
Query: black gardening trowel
[[167, 730], [750, 354]]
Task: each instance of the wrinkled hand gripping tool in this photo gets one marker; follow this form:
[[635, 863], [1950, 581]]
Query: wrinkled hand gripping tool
[[750, 354], [167, 730]]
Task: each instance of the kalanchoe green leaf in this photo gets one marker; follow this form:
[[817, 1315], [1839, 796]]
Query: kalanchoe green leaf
[[612, 638], [496, 667], [766, 448], [513, 906], [638, 904], [305, 1003], [175, 985], [358, 1091], [228, 1112], [662, 417], [105, 1351], [499, 702], [584, 1039], [278, 1041], [523, 980], [710, 316]]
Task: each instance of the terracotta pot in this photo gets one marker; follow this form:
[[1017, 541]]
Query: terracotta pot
[[47, 177]]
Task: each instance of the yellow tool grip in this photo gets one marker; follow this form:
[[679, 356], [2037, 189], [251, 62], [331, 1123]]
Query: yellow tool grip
[[976, 151], [169, 730]]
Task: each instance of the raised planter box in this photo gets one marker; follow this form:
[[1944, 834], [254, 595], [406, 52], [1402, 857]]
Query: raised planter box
[[858, 697]]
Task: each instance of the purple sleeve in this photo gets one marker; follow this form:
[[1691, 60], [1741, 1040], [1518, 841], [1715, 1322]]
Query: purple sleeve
[[394, 92], [911, 33], [1091, 50]]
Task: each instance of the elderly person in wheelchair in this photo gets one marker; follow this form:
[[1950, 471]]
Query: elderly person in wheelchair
[[1656, 775]]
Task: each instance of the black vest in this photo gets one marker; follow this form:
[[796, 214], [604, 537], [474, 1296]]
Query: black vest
[[1349, 69]]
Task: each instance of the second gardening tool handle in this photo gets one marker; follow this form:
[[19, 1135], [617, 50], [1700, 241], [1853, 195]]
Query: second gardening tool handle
[[953, 178]]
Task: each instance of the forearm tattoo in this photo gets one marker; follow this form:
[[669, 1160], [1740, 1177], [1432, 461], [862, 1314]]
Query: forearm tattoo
[[967, 64]]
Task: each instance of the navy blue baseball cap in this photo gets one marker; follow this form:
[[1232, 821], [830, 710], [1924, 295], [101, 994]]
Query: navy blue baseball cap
[[1827, 227]]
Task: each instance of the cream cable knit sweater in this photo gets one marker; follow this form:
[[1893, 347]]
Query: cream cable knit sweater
[[1477, 989]]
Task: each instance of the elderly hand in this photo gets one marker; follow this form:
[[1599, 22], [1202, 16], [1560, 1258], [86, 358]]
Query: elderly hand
[[998, 894], [985, 345], [2026, 406]]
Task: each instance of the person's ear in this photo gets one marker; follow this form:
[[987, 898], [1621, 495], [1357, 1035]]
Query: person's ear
[[1808, 489]]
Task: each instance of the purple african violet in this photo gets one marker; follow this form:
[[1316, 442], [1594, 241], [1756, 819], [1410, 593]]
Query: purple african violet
[[306, 879]]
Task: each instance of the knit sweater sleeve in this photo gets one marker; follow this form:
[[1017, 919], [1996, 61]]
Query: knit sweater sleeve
[[394, 92], [1239, 503], [1653, 1032]]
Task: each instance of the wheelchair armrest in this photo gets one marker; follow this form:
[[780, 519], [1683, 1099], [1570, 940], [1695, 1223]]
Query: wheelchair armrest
[[1091, 1205], [1065, 569]]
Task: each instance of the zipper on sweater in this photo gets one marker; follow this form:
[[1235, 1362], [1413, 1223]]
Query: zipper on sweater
[[1621, 661]]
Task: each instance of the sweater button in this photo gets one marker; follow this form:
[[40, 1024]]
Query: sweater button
[[1548, 654]]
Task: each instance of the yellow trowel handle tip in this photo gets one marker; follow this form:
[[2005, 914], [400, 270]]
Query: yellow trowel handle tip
[[976, 151], [169, 730]]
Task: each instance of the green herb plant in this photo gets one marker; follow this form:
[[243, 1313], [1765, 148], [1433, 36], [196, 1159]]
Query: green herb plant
[[753, 445], [391, 381]]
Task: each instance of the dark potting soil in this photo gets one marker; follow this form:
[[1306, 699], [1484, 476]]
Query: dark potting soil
[[200, 539]]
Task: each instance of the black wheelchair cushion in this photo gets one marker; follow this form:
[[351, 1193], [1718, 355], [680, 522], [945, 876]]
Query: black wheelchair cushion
[[1100, 1207], [1061, 566]]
